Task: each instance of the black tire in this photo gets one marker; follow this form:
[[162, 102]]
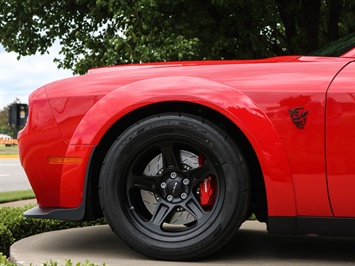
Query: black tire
[[154, 182]]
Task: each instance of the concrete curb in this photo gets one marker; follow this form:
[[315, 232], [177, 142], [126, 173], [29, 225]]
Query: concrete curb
[[20, 203], [250, 246], [8, 156], [99, 245]]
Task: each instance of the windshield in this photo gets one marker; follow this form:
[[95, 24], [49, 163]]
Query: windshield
[[337, 48]]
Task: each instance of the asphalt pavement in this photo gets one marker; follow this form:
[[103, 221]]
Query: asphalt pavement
[[12, 175]]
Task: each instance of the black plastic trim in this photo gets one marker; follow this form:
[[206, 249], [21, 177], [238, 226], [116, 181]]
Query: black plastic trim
[[322, 226], [326, 226], [281, 225], [66, 214], [74, 214]]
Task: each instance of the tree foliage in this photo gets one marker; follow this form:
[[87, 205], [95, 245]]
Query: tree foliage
[[5, 128], [107, 32], [4, 125]]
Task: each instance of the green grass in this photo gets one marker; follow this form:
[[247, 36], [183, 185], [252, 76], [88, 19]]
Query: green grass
[[8, 150], [9, 196]]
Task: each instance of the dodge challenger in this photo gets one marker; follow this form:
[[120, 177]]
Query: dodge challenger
[[177, 155]]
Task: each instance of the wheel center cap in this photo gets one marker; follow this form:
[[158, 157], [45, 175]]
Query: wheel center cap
[[175, 188]]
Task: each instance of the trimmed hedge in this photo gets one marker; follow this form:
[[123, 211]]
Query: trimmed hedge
[[5, 262], [6, 238], [13, 226]]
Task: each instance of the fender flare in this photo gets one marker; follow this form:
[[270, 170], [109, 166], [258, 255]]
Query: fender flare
[[228, 101]]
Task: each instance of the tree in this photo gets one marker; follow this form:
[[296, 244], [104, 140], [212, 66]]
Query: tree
[[5, 128], [4, 125], [97, 32]]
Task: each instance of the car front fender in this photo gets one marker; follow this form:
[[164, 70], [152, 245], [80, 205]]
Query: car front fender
[[228, 101]]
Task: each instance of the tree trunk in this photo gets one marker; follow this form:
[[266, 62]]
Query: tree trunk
[[334, 15], [309, 24]]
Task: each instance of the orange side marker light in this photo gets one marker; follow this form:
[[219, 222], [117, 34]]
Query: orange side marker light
[[64, 160]]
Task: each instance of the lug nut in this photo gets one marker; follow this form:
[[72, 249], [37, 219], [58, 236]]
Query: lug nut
[[163, 185], [183, 195], [173, 175], [186, 181], [169, 198]]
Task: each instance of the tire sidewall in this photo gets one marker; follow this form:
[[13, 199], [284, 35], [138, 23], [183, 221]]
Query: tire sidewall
[[222, 223]]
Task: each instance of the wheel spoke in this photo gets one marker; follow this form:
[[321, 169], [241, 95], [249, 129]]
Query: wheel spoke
[[144, 182], [200, 173], [160, 214], [194, 208], [169, 158]]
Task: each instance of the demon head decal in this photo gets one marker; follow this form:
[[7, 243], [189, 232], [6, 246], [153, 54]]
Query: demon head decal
[[298, 116]]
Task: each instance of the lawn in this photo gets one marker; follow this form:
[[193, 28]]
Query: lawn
[[9, 196], [8, 150]]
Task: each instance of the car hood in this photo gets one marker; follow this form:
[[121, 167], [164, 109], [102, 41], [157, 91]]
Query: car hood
[[72, 98], [130, 67], [236, 73]]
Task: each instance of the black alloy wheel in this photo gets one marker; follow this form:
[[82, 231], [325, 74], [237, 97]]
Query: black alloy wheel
[[174, 187]]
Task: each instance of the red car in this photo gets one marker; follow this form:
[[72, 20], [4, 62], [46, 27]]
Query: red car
[[177, 155]]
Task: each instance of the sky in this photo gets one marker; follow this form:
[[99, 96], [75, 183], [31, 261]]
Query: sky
[[18, 78]]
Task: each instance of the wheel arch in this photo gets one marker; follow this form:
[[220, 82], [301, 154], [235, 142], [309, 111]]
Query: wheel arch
[[236, 113], [258, 198]]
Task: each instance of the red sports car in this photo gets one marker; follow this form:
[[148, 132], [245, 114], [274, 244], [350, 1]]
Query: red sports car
[[177, 155]]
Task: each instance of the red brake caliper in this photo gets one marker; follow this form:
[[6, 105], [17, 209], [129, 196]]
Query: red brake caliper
[[208, 189]]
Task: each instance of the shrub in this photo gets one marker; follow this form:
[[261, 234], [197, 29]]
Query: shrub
[[6, 239], [5, 262], [14, 226]]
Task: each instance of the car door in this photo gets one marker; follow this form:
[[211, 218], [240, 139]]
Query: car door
[[340, 142]]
